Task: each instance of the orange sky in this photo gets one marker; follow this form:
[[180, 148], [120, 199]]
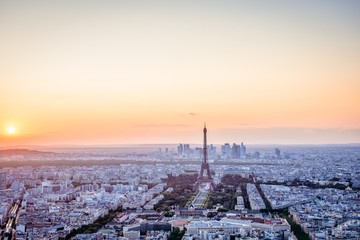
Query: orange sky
[[83, 72]]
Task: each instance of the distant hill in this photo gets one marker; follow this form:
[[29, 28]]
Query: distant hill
[[23, 152]]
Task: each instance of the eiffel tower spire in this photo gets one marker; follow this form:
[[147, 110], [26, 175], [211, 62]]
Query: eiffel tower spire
[[205, 145]]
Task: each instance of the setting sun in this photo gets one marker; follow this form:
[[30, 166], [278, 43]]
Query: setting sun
[[11, 130]]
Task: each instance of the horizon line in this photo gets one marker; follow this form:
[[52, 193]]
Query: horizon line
[[149, 144]]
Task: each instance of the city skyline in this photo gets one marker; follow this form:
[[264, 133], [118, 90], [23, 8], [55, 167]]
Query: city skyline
[[84, 73]]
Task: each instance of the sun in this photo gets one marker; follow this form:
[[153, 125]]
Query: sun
[[11, 130]]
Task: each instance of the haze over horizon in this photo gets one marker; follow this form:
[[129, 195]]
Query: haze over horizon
[[119, 72]]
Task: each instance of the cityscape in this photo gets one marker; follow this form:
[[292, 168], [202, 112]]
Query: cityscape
[[180, 120], [183, 193]]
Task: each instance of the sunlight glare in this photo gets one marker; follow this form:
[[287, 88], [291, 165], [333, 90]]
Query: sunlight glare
[[11, 130]]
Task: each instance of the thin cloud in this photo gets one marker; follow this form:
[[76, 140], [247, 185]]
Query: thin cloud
[[288, 135], [161, 125], [193, 114]]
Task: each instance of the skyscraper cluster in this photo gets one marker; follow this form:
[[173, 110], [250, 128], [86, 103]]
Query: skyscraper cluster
[[236, 151], [185, 150]]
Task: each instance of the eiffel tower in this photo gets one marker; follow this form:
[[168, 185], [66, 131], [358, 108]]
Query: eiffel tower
[[207, 178]]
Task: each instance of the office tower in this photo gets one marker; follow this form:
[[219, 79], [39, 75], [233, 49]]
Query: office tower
[[235, 151], [2, 181], [277, 153], [180, 149], [187, 150], [212, 151], [226, 150], [242, 150]]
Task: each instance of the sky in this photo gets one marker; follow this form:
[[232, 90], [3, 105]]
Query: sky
[[128, 72]]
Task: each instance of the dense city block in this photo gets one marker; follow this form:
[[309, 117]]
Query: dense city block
[[267, 194]]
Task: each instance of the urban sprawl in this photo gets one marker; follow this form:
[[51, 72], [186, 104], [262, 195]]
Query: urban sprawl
[[282, 192]]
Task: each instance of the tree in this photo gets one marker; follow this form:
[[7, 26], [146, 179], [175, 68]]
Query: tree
[[176, 234]]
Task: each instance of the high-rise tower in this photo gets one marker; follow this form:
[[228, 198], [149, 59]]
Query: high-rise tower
[[205, 179], [2, 180]]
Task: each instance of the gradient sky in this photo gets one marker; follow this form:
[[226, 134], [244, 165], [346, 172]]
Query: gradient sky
[[107, 72]]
